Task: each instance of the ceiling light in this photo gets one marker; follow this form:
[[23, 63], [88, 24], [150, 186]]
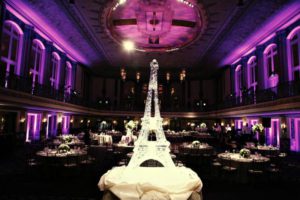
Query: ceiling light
[[122, 2], [128, 45]]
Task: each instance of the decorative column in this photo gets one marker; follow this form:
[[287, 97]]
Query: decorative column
[[243, 62], [62, 71], [260, 66], [47, 67], [232, 75], [27, 44], [183, 94], [116, 96], [2, 13], [73, 75], [189, 95], [282, 54]]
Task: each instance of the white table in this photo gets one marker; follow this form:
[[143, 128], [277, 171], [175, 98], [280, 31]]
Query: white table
[[151, 183]]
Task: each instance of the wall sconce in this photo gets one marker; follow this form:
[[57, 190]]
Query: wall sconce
[[88, 121], [168, 76], [138, 76], [123, 74], [59, 119], [232, 124], [81, 121], [72, 120], [283, 126], [182, 75], [166, 123], [22, 120], [115, 122], [44, 120], [222, 124], [172, 91]]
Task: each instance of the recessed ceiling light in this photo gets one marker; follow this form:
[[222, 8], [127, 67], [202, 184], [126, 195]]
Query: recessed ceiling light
[[128, 45], [122, 1]]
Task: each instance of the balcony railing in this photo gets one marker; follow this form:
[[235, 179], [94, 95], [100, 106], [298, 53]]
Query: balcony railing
[[18, 83], [283, 90]]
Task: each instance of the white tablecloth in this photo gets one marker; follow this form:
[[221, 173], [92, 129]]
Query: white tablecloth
[[161, 183]]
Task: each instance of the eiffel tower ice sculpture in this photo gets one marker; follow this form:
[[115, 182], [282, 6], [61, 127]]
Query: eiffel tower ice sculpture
[[144, 149]]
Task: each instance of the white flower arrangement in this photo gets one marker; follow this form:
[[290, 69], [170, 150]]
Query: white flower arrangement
[[195, 143], [203, 125], [130, 125], [67, 138], [245, 153], [258, 128], [64, 148]]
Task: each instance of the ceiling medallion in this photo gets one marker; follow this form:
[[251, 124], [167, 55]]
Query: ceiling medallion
[[155, 25]]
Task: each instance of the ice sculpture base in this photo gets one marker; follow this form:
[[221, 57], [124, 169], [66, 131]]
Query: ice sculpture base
[[151, 182], [151, 150]]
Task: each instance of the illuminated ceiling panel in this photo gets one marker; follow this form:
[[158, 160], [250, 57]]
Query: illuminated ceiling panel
[[155, 25]]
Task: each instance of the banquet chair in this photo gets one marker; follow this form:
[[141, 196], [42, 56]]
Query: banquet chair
[[229, 171], [193, 157], [216, 167], [205, 160], [257, 171], [86, 163], [183, 154], [70, 166], [274, 172]]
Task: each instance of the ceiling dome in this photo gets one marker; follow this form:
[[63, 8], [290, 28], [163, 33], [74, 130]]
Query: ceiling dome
[[155, 25]]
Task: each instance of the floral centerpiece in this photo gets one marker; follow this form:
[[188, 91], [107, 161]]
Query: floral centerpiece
[[259, 130], [64, 148], [129, 138], [203, 127], [130, 125], [245, 153], [195, 143], [67, 139]]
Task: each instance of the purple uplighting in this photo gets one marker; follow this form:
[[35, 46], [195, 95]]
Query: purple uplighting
[[33, 127], [149, 99], [286, 16], [18, 6]]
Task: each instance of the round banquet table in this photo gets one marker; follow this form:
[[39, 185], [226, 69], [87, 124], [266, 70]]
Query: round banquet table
[[52, 156], [196, 150], [242, 164], [123, 148], [265, 150]]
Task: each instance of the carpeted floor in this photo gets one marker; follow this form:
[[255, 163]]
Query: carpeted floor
[[20, 182]]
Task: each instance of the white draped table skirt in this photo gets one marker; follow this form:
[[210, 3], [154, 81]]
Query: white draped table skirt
[[161, 183]]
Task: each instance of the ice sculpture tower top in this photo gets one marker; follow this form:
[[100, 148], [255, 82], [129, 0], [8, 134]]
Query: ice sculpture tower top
[[144, 149]]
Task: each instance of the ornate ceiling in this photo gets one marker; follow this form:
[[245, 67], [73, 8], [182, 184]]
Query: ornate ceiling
[[196, 37], [154, 26]]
